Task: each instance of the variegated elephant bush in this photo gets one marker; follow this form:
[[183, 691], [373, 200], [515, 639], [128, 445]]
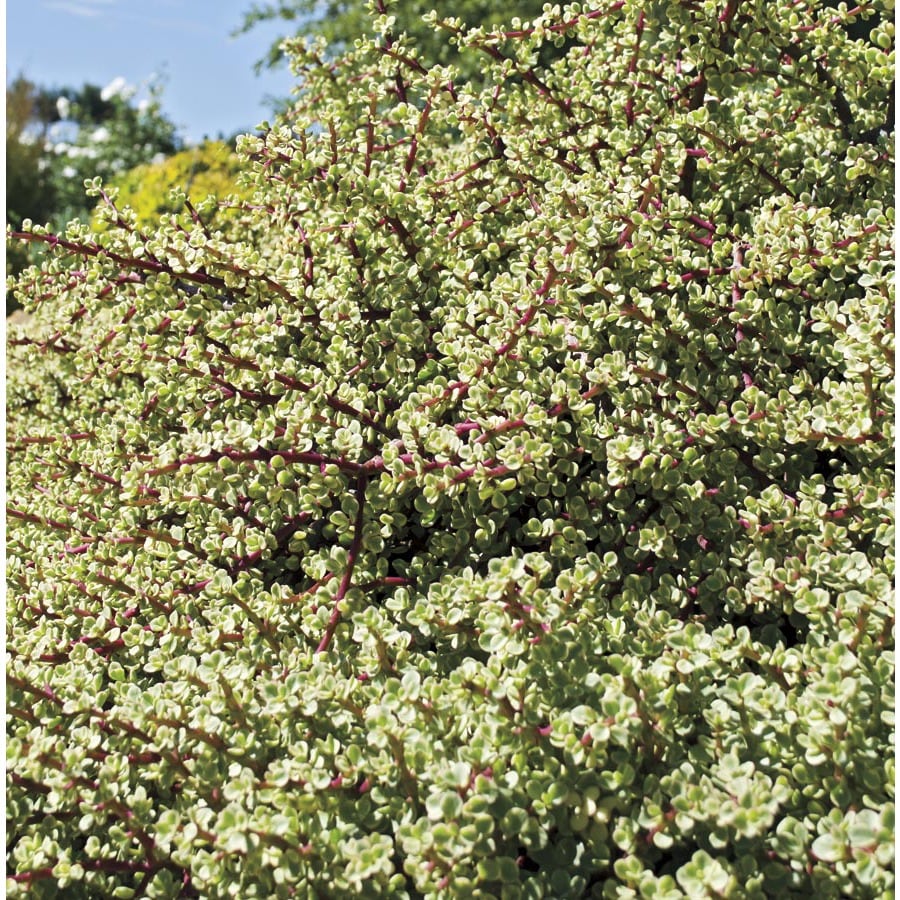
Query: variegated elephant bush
[[497, 504]]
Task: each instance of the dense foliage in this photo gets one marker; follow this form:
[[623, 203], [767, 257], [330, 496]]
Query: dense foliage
[[499, 506]]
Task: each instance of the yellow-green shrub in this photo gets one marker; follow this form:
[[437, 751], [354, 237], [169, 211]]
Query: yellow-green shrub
[[209, 168]]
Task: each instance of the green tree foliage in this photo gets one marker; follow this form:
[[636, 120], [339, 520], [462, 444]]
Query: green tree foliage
[[25, 189], [499, 506], [108, 134], [57, 138]]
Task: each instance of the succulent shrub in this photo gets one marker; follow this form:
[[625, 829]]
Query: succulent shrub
[[500, 506]]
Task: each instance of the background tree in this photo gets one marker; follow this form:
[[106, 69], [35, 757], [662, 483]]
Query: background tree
[[207, 170], [105, 132], [58, 137], [29, 185]]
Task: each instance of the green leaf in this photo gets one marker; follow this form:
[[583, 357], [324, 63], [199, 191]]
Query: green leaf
[[828, 848]]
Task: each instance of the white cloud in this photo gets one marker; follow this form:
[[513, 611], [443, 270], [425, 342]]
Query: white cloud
[[74, 8], [92, 8], [83, 8]]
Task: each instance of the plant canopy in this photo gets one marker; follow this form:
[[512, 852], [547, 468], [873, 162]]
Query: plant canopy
[[497, 503]]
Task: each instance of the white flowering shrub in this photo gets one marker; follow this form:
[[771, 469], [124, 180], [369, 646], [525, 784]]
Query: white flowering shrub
[[103, 132], [499, 506], [55, 139]]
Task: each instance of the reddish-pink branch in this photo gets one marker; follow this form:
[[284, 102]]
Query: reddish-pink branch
[[260, 455], [564, 26], [352, 556], [146, 265]]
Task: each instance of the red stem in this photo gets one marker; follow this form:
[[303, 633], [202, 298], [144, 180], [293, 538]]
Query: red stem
[[352, 556]]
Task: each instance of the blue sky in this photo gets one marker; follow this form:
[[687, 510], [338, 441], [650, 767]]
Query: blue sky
[[209, 82]]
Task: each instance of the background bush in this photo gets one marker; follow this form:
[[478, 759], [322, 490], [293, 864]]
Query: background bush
[[500, 506], [208, 169]]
